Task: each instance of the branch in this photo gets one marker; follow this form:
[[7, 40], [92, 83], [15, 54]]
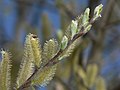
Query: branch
[[53, 60], [78, 28]]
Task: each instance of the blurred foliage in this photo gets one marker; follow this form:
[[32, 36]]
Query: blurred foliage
[[100, 46]]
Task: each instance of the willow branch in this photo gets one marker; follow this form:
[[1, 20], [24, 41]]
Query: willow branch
[[53, 61]]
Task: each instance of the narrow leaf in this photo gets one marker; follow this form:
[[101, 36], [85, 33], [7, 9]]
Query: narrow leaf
[[74, 27], [87, 28], [5, 69], [85, 18], [97, 11], [64, 42], [69, 50]]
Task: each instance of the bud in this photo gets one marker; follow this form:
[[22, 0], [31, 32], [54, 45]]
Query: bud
[[97, 11]]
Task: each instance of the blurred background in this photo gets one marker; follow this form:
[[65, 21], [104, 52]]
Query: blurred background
[[49, 19]]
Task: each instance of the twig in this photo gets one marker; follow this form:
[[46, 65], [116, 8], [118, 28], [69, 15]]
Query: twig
[[53, 61]]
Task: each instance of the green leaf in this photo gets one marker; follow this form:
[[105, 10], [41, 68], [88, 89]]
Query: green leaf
[[44, 75], [100, 84], [5, 69], [64, 42], [73, 28], [92, 71], [97, 11], [27, 66], [85, 19], [77, 24], [69, 50], [87, 28]]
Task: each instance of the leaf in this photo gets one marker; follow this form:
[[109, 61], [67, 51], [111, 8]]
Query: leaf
[[85, 19], [36, 50], [5, 69], [74, 27], [26, 67], [64, 42], [87, 28], [97, 11], [92, 71], [100, 84], [68, 51], [44, 75]]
